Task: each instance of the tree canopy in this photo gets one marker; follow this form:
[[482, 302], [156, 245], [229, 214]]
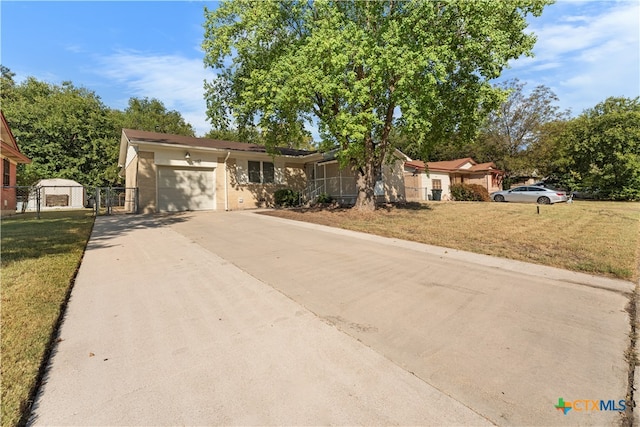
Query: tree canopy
[[516, 126], [151, 115], [602, 149], [361, 69], [65, 130]]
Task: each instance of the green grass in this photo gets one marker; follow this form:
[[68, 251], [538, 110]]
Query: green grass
[[593, 237], [39, 261]]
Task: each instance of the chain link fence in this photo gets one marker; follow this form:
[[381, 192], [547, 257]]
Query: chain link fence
[[101, 200]]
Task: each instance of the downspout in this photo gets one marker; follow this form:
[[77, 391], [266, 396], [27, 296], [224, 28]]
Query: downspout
[[226, 191]]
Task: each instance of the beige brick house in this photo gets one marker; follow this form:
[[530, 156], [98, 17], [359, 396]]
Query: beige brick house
[[422, 178], [179, 173]]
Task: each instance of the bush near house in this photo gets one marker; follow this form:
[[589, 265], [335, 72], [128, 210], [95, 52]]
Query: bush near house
[[469, 193], [286, 197], [324, 199]]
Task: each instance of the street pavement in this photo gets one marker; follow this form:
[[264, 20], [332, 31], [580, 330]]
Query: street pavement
[[236, 318]]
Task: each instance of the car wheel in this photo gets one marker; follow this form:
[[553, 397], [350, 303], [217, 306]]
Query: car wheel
[[544, 200], [498, 198]]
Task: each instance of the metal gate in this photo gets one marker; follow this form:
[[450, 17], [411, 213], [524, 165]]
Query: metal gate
[[113, 200]]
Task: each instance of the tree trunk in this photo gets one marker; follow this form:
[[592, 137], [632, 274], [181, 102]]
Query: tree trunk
[[365, 184]]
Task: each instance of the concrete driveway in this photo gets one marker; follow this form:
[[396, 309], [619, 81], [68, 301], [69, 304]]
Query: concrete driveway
[[238, 318]]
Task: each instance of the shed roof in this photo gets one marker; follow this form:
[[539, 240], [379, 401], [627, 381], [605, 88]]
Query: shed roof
[[58, 182]]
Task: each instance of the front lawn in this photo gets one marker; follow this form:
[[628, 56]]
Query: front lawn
[[39, 261], [592, 237]]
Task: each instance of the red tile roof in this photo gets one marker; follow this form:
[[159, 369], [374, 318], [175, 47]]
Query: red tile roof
[[483, 166]]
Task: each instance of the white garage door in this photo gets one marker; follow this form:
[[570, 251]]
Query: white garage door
[[185, 189]]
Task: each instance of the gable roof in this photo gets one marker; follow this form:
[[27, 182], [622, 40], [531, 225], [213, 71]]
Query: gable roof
[[189, 141], [8, 144], [483, 167], [452, 166]]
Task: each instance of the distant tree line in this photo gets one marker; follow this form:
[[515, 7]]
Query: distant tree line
[[68, 132]]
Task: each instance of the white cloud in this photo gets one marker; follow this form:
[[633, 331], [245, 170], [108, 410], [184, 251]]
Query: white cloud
[[586, 52], [75, 48], [175, 80]]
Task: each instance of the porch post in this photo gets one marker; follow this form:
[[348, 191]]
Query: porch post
[[226, 185]]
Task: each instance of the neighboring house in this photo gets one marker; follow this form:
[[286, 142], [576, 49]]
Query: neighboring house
[[11, 157], [524, 179], [179, 173], [421, 180]]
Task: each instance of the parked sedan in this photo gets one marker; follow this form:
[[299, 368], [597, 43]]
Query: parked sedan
[[532, 194]]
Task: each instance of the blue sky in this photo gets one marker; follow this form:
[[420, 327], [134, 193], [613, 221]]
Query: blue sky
[[586, 50]]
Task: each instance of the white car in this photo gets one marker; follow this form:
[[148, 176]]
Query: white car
[[531, 194]]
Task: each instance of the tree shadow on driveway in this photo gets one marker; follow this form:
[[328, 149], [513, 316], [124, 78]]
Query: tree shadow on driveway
[[107, 228]]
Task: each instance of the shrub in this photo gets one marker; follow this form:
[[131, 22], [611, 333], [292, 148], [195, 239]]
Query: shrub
[[324, 198], [469, 193], [286, 197]]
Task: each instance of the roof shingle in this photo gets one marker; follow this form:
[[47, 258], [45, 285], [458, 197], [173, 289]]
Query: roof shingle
[[452, 165], [189, 141]]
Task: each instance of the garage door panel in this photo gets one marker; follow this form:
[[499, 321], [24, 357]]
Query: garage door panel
[[181, 189]]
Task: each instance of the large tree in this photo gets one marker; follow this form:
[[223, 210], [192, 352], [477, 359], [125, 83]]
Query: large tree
[[510, 132], [152, 115], [361, 68], [602, 148], [64, 129], [547, 154]]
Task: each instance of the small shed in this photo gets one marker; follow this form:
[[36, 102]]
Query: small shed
[[58, 193]]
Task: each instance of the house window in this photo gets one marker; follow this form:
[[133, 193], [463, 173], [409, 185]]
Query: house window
[[6, 173], [436, 184], [268, 173], [254, 172], [261, 172]]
